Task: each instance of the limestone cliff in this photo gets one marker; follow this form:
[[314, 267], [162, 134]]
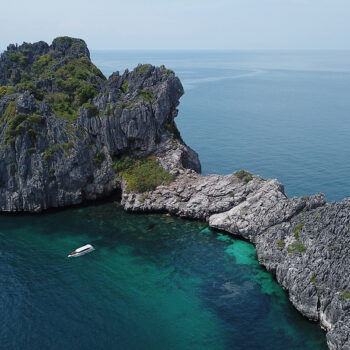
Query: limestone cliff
[[62, 124]]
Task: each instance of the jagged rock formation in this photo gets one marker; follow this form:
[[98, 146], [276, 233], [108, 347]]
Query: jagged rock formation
[[62, 123], [303, 241], [68, 134]]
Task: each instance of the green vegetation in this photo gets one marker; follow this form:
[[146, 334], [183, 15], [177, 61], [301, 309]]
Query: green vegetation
[[297, 230], [143, 198], [10, 111], [62, 40], [281, 243], [35, 118], [67, 147], [92, 110], [62, 106], [84, 93], [99, 159], [142, 174], [244, 175], [20, 58], [296, 247], [305, 197], [50, 151], [78, 69], [127, 105], [143, 69], [74, 82], [16, 124], [23, 86], [109, 111], [167, 71], [313, 278], [15, 128], [232, 194], [6, 90], [123, 163], [147, 95], [42, 64], [330, 248], [125, 86], [345, 295], [32, 150], [172, 128]]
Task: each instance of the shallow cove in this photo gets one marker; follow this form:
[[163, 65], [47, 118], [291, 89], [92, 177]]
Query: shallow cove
[[154, 282]]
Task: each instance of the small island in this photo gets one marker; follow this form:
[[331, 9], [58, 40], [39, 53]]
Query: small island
[[70, 135]]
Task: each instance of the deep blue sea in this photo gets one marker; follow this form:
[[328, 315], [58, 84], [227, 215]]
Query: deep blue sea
[[158, 282], [283, 115]]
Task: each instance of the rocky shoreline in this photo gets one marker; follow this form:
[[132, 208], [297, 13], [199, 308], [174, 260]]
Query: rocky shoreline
[[68, 135], [304, 241]]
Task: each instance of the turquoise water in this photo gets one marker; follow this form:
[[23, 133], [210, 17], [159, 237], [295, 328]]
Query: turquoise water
[[153, 282], [156, 282], [283, 115]]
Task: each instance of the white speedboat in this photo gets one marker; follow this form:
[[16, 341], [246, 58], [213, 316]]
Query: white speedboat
[[81, 251]]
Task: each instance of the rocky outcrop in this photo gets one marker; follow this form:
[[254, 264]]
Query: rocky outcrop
[[62, 124], [304, 241], [68, 134]]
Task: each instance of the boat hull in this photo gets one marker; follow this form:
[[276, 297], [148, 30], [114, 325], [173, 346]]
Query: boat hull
[[75, 255]]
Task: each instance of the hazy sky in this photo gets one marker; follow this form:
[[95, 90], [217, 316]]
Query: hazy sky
[[181, 24]]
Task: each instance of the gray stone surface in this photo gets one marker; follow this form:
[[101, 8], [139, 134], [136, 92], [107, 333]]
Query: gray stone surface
[[54, 162]]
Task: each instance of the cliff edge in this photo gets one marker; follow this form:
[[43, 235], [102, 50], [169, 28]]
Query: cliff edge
[[63, 125]]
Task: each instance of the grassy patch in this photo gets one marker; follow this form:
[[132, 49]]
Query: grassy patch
[[281, 243], [99, 159], [244, 175], [143, 69], [67, 147], [15, 128], [297, 230], [50, 151], [10, 111], [123, 163], [167, 71], [6, 90], [145, 175], [313, 278], [91, 109], [305, 198], [345, 295], [232, 194], [296, 247], [35, 119], [74, 82], [125, 86], [42, 64], [147, 95], [62, 106], [143, 198]]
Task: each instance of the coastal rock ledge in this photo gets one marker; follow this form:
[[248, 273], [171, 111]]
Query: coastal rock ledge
[[68, 134]]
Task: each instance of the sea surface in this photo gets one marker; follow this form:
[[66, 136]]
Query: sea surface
[[153, 282], [280, 114], [158, 282]]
